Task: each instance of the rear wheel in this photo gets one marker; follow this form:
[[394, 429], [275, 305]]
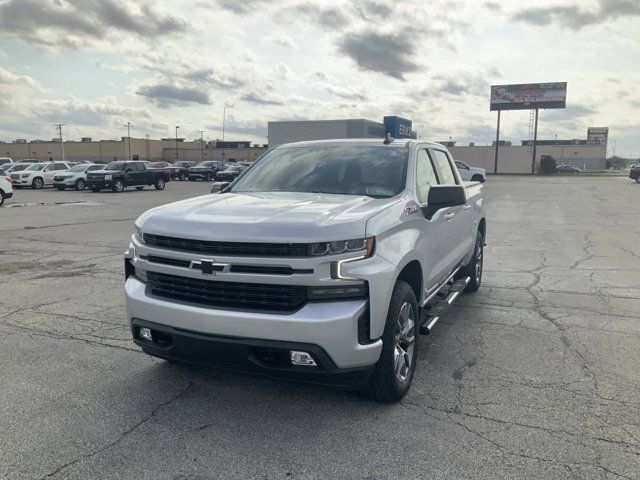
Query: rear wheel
[[473, 269], [118, 186], [392, 376], [37, 183], [159, 184], [80, 184]]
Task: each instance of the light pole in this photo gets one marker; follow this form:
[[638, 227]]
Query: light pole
[[128, 125], [224, 120], [201, 145], [59, 127], [177, 158]]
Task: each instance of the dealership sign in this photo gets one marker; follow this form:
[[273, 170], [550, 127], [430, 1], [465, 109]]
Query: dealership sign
[[398, 127], [528, 96], [598, 133]]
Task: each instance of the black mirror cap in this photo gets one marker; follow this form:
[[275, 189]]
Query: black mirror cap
[[444, 196]]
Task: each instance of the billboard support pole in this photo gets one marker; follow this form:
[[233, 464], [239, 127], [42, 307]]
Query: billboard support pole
[[495, 161], [535, 139]]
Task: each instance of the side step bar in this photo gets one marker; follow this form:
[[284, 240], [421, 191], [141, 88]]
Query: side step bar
[[432, 312]]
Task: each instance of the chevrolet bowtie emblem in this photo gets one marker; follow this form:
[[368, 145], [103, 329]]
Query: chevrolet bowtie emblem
[[208, 266]]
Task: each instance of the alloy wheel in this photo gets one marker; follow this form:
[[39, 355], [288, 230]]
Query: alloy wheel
[[405, 341]]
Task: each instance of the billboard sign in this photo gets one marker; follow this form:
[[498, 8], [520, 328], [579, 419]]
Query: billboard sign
[[598, 133], [527, 96]]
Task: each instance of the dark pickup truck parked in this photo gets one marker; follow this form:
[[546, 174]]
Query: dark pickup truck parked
[[634, 173], [118, 175], [205, 170]]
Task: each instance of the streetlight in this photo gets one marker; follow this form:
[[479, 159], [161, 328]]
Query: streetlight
[[177, 158], [201, 145], [128, 125]]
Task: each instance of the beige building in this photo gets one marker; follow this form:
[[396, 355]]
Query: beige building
[[103, 151]]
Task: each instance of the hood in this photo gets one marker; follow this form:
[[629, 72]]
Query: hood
[[273, 217]]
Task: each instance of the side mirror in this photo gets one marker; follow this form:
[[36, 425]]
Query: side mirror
[[217, 187], [444, 196]]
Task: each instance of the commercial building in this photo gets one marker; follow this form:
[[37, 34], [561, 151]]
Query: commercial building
[[103, 151], [297, 131]]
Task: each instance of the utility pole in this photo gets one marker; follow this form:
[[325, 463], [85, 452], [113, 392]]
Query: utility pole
[[224, 119], [59, 127], [177, 157], [201, 145], [128, 125]]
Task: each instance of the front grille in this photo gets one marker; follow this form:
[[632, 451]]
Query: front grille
[[228, 294], [15, 176], [228, 248], [251, 269]]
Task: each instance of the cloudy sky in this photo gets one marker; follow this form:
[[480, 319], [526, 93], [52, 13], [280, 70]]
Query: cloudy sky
[[97, 64]]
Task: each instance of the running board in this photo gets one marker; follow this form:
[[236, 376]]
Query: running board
[[446, 296]]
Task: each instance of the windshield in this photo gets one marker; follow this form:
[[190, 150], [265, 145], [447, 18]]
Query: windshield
[[35, 166], [79, 168], [114, 166], [376, 171]]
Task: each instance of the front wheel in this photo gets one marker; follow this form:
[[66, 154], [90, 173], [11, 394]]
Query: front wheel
[[118, 186], [392, 376], [638, 179], [1, 197], [159, 184], [182, 177], [37, 183], [207, 177], [80, 184], [477, 178]]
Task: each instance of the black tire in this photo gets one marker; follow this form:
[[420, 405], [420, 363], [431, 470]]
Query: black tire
[[182, 177], [61, 187], [1, 197], [140, 187], [96, 189], [80, 184], [638, 179], [37, 183], [159, 184], [118, 186], [387, 383], [474, 269], [207, 177], [477, 178]]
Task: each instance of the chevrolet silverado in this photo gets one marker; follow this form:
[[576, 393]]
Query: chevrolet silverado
[[321, 263]]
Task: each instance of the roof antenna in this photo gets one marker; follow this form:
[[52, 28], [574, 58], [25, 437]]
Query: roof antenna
[[387, 138]]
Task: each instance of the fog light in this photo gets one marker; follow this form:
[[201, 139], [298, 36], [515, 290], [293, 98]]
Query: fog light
[[302, 358], [145, 333]]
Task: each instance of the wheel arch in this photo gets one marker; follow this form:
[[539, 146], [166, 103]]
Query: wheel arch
[[412, 274], [482, 228]]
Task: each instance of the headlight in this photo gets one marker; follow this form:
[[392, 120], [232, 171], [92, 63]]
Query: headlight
[[108, 177], [139, 235], [342, 246]]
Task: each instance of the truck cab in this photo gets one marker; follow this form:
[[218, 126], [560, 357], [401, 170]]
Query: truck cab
[[322, 263]]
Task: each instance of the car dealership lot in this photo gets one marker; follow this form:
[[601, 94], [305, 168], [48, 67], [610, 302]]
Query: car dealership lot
[[535, 376]]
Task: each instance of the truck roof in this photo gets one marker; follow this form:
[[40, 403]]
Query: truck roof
[[398, 142]]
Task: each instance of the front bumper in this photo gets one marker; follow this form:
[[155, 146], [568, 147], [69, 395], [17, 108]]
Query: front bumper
[[70, 182], [330, 325], [100, 183], [8, 194], [266, 358], [198, 176]]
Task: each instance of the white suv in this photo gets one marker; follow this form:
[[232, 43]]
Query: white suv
[[38, 175], [469, 173], [6, 191], [76, 177]]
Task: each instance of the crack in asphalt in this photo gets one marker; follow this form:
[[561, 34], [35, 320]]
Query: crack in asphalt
[[123, 435]]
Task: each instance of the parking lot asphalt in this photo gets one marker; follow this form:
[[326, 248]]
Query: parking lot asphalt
[[537, 375]]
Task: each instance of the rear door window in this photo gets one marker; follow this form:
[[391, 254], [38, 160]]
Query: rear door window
[[445, 171]]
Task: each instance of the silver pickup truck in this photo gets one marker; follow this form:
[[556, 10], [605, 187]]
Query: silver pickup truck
[[321, 263]]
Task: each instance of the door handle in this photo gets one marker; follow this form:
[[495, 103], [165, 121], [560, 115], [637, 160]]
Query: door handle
[[449, 216], [467, 207]]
